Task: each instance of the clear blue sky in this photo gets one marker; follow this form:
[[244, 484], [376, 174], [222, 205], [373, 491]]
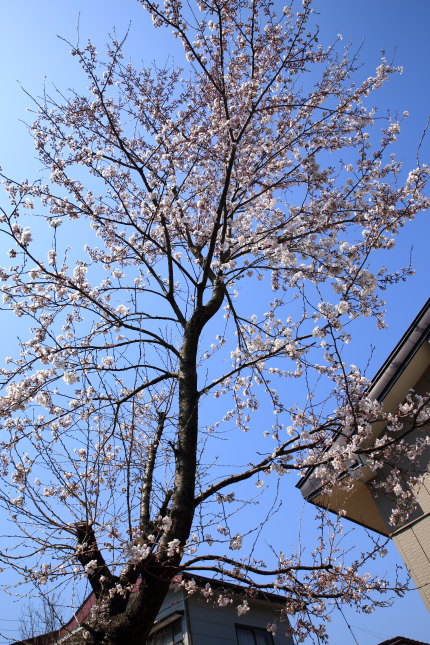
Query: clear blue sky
[[30, 52]]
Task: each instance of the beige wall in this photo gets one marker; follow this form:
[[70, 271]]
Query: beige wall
[[413, 544]]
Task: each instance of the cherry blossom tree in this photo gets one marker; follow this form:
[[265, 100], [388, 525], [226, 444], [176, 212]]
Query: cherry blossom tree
[[230, 213]]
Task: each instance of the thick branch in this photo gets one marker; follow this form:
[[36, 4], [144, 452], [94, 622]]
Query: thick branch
[[88, 553]]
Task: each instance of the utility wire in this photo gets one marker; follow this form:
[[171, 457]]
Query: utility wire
[[347, 624]]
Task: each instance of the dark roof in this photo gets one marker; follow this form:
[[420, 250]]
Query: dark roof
[[254, 594], [402, 640], [416, 334]]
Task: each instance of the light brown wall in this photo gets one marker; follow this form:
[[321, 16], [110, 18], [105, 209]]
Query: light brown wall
[[413, 544]]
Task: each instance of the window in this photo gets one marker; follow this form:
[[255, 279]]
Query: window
[[253, 636], [171, 634]]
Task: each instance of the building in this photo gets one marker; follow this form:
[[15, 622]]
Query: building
[[407, 367], [192, 619], [401, 640]]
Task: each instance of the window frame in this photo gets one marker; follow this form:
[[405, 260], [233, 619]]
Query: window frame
[[253, 628], [169, 621]]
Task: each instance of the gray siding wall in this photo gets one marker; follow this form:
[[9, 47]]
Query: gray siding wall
[[216, 625], [173, 602]]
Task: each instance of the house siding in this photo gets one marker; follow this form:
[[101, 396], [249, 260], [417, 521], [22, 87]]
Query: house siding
[[211, 626], [175, 602], [413, 544]]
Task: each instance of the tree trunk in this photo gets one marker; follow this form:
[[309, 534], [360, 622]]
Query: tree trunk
[[131, 627], [132, 622]]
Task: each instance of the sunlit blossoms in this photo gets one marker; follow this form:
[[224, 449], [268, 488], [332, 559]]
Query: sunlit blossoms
[[243, 608], [210, 237]]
